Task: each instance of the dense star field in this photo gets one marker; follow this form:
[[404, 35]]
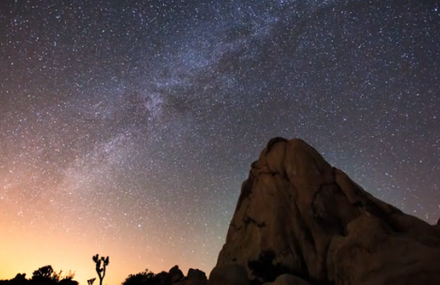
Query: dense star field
[[127, 127]]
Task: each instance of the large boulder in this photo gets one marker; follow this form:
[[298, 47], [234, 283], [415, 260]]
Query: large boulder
[[297, 214], [196, 277], [163, 278], [175, 274], [176, 277], [228, 274], [287, 279]]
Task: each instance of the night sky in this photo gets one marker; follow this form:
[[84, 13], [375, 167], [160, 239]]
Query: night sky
[[127, 127]]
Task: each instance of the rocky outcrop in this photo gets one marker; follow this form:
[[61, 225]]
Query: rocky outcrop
[[298, 215], [287, 279], [194, 277], [175, 274], [173, 277], [229, 274]]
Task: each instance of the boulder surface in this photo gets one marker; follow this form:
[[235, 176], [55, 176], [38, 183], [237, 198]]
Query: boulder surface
[[228, 274], [287, 279], [298, 215]]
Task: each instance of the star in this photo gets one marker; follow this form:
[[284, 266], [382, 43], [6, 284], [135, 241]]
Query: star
[[127, 128]]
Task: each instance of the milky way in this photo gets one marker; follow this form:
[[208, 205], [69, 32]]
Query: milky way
[[126, 128]]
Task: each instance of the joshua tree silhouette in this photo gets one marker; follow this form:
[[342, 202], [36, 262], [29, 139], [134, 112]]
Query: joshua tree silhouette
[[101, 264]]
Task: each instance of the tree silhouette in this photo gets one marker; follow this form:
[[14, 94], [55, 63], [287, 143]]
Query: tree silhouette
[[46, 273], [101, 264], [90, 281], [43, 272]]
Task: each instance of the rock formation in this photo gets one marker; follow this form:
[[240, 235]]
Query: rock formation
[[229, 274], [298, 215], [194, 277], [287, 279], [175, 274]]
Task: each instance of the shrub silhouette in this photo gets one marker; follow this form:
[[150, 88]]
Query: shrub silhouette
[[144, 278], [42, 276], [67, 281], [45, 272], [101, 265]]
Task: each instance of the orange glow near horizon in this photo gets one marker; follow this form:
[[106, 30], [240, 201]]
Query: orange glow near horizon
[[28, 244], [63, 219], [26, 253]]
